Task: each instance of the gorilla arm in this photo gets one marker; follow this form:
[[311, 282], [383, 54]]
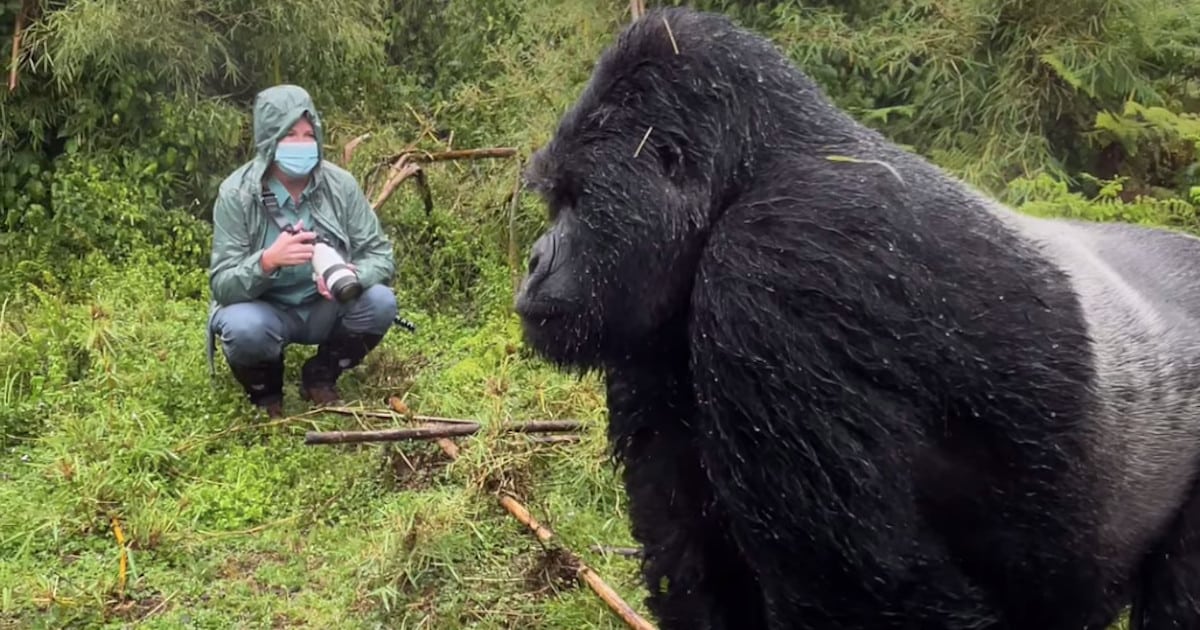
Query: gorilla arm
[[806, 435], [694, 578]]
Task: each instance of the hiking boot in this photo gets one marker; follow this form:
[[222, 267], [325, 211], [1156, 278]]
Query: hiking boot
[[320, 394], [340, 352], [274, 409], [263, 384]]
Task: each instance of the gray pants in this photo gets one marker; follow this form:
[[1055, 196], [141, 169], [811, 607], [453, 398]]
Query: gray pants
[[252, 332]]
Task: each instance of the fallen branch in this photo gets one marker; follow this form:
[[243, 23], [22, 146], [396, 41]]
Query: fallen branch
[[425, 157], [427, 432], [390, 415], [348, 149], [403, 166], [433, 432], [399, 171], [585, 573]]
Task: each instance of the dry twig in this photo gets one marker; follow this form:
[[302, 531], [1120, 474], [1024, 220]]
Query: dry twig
[[629, 552], [348, 149], [403, 165], [555, 439], [512, 229], [433, 431], [426, 157], [637, 8], [585, 573], [399, 171]]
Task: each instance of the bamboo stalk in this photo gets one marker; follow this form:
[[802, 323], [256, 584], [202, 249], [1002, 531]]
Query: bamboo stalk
[[18, 31], [122, 564], [585, 573]]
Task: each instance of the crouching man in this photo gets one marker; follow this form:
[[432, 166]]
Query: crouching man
[[265, 294]]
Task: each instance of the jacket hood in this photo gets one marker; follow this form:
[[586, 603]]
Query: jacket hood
[[276, 109]]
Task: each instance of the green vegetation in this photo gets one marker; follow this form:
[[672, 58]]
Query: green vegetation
[[127, 114]]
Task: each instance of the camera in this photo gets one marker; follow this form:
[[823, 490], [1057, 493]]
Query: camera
[[341, 281]]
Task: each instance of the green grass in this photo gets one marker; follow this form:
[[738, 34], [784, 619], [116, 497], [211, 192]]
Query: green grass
[[107, 412]]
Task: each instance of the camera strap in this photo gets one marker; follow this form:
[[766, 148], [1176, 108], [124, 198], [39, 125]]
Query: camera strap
[[272, 205]]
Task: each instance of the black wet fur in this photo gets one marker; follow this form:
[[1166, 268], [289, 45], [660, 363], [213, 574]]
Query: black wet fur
[[843, 395]]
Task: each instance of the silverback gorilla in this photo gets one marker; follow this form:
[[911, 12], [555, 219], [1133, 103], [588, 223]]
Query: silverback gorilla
[[846, 389]]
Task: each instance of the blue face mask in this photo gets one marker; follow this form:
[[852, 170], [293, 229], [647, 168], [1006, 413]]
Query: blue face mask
[[297, 158]]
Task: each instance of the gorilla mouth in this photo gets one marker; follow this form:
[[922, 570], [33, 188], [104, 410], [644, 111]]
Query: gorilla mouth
[[545, 311]]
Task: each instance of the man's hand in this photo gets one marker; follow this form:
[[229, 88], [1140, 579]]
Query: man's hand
[[324, 290], [289, 249]]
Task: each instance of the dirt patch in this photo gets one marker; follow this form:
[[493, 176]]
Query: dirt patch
[[392, 372], [245, 565], [416, 469], [138, 608], [515, 479], [553, 571]]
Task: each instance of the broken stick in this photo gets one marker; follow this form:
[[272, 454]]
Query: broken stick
[[585, 573], [555, 439], [414, 155], [434, 431], [629, 552], [348, 149], [398, 172]]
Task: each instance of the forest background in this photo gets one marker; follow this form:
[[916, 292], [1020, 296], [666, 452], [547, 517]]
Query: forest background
[[135, 488]]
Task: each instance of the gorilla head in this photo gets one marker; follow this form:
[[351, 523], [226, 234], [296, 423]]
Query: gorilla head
[[633, 179]]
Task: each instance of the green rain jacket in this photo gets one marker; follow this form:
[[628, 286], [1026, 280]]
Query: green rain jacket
[[240, 219]]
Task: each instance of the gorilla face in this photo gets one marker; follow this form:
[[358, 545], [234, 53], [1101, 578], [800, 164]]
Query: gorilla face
[[636, 173], [617, 260]]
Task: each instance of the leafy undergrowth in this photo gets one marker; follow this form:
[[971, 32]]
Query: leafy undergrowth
[[110, 422]]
